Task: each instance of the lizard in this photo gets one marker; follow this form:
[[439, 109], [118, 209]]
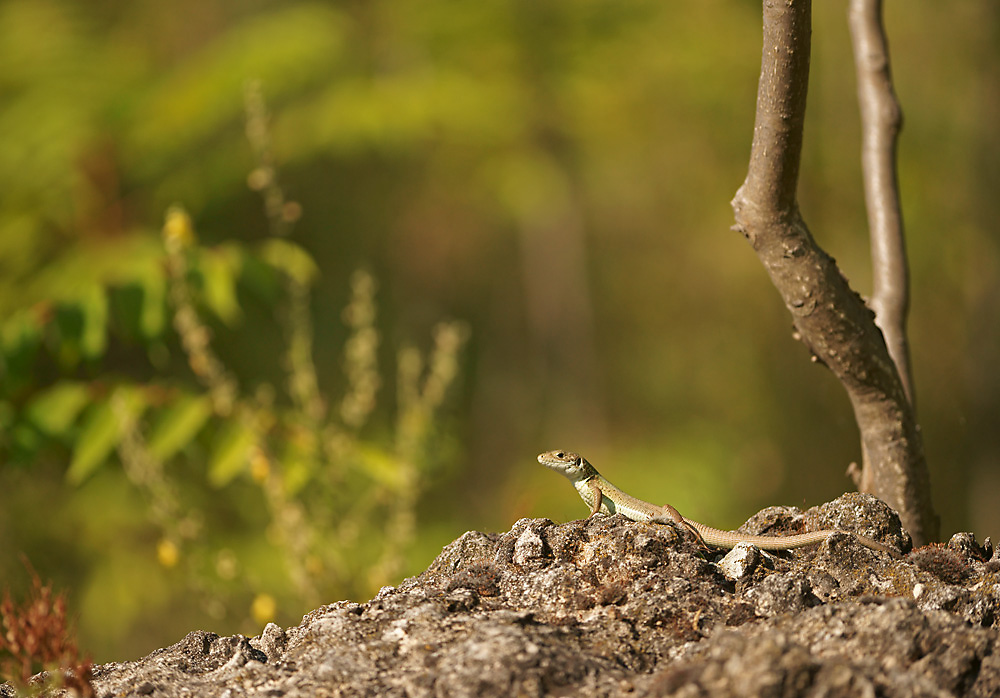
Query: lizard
[[601, 496]]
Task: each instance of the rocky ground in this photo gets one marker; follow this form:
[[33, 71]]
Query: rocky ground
[[608, 607]]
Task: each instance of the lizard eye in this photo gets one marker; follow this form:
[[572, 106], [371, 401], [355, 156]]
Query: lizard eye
[[560, 454]]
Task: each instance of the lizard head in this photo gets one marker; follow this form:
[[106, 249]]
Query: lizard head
[[572, 465]]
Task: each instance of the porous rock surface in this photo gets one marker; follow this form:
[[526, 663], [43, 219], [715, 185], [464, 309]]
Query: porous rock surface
[[609, 607]]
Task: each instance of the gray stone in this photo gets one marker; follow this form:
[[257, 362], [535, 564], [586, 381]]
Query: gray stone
[[609, 607]]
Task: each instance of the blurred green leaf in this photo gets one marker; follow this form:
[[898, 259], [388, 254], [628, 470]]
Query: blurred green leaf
[[98, 438], [101, 431], [55, 410], [291, 259], [381, 465], [81, 325], [126, 310], [261, 278], [24, 443], [219, 269], [67, 330], [297, 472], [20, 338], [94, 334], [138, 308], [16, 330], [178, 425], [154, 307], [231, 453]]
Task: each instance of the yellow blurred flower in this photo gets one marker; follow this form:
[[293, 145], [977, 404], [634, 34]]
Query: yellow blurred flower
[[263, 608], [167, 553], [178, 233]]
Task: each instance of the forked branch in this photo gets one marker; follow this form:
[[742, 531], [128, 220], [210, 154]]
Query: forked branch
[[830, 318]]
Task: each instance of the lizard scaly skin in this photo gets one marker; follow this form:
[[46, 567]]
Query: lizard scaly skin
[[601, 496]]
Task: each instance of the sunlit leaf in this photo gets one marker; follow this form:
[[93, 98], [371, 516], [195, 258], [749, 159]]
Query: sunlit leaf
[[101, 432], [219, 269], [98, 438], [55, 410], [94, 335], [291, 259], [381, 465], [178, 425], [231, 454]]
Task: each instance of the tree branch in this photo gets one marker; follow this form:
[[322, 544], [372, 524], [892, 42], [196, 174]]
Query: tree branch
[[830, 318], [881, 120]]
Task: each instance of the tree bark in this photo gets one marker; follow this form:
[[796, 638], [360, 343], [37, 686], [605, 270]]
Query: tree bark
[[830, 318]]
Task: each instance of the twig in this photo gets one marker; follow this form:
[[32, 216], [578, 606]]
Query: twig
[[881, 121]]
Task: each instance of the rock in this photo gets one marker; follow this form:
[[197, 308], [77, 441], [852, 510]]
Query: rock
[[740, 562], [609, 607]]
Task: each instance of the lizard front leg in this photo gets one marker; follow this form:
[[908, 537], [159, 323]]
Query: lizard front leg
[[595, 492]]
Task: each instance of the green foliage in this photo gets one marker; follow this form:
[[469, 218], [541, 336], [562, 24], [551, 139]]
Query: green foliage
[[162, 419], [229, 453], [178, 424], [98, 436], [55, 410], [326, 482], [320, 479]]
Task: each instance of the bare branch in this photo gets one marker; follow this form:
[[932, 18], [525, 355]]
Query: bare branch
[[830, 318], [881, 121], [777, 133]]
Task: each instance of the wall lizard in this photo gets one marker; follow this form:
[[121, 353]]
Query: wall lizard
[[601, 496]]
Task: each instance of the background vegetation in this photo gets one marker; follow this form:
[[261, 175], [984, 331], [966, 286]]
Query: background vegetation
[[236, 410]]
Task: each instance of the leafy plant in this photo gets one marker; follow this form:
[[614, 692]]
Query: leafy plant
[[337, 493]]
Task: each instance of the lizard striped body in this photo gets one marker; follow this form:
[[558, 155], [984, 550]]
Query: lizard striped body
[[601, 496]]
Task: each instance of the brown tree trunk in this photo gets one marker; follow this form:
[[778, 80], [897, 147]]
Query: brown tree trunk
[[830, 318]]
